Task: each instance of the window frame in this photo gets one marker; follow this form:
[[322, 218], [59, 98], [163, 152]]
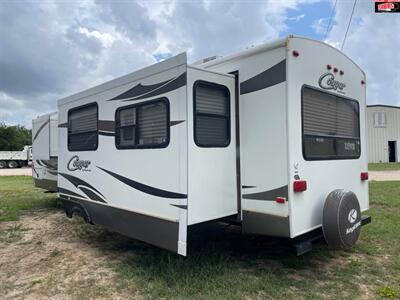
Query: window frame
[[228, 117], [77, 108], [328, 157], [136, 106]]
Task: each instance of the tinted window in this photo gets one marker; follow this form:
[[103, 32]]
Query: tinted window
[[82, 128], [330, 126], [144, 125], [211, 114]]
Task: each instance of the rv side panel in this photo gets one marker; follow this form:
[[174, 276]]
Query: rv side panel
[[133, 179]]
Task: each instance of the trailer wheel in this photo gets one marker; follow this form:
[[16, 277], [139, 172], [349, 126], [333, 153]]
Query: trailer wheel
[[12, 164], [3, 164], [341, 219]]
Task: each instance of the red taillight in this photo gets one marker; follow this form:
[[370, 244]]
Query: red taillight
[[364, 176], [299, 186], [280, 199], [295, 53]]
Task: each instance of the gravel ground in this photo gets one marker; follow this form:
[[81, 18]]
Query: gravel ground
[[384, 175], [17, 171]]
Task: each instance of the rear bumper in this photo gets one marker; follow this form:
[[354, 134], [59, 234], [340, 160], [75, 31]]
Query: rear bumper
[[304, 243]]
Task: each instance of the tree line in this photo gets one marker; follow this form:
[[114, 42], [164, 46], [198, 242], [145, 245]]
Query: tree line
[[14, 138]]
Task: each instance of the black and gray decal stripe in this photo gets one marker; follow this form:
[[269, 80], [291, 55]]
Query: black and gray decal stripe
[[83, 186], [248, 186], [272, 76], [68, 192], [46, 165], [179, 206], [140, 91], [173, 123], [268, 195], [145, 188], [106, 133], [40, 129], [63, 125], [106, 125]]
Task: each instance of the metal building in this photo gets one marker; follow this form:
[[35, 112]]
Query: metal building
[[383, 122]]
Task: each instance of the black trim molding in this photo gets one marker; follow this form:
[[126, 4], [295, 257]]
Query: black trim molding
[[264, 224]]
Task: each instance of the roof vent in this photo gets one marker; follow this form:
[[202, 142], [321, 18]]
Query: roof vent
[[205, 60]]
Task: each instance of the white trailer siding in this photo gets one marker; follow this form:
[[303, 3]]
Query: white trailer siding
[[383, 123], [323, 176]]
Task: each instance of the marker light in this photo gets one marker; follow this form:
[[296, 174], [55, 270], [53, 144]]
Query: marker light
[[329, 67], [335, 70], [295, 53], [280, 200], [299, 186], [364, 176], [362, 82], [341, 72]]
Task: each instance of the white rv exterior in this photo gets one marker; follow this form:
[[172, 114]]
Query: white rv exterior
[[242, 137], [45, 151]]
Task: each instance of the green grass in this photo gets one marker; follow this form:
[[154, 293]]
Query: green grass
[[223, 264], [17, 194], [383, 166]]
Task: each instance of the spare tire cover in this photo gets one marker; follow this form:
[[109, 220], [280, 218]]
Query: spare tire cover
[[341, 219]]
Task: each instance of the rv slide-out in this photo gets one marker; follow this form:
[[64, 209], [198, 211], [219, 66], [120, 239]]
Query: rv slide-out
[[44, 152]]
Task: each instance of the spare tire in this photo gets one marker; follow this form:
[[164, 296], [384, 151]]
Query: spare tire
[[341, 219]]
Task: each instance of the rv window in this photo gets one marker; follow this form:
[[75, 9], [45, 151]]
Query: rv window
[[82, 128], [143, 125], [211, 114], [330, 126]]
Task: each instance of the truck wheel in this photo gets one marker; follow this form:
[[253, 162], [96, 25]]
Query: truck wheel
[[341, 219], [12, 164], [3, 164]]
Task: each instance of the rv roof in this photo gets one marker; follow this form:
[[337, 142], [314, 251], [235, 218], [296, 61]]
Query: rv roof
[[265, 47]]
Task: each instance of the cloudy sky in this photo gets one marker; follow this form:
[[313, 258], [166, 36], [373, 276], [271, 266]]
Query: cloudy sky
[[49, 50]]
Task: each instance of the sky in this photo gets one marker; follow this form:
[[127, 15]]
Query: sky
[[52, 49]]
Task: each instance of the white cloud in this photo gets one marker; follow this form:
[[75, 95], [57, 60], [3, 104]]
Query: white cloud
[[373, 43], [320, 25], [297, 18]]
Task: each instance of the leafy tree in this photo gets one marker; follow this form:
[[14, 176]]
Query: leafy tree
[[14, 138]]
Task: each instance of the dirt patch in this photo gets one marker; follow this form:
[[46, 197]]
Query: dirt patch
[[40, 257]]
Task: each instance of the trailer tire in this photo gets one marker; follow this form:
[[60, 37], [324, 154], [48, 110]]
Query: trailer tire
[[3, 164], [341, 219], [12, 164]]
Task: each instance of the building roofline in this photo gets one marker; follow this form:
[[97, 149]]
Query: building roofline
[[383, 105]]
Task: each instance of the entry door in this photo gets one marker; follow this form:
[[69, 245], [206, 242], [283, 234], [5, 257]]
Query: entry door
[[392, 151], [212, 187]]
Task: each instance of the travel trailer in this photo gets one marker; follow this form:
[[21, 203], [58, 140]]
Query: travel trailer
[[44, 152], [272, 139]]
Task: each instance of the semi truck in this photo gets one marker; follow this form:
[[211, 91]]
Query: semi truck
[[16, 159]]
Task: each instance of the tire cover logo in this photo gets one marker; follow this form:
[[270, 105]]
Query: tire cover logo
[[352, 217], [76, 164]]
